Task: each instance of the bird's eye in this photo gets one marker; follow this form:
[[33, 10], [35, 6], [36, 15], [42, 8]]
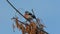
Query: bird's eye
[[30, 14]]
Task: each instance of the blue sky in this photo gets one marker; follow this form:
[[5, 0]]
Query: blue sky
[[47, 10]]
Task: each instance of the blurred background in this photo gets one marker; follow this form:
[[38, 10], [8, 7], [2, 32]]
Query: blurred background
[[47, 10]]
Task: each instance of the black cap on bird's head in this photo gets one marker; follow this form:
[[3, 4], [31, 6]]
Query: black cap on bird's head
[[26, 11]]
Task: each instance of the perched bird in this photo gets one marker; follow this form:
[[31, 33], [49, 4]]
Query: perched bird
[[29, 16]]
